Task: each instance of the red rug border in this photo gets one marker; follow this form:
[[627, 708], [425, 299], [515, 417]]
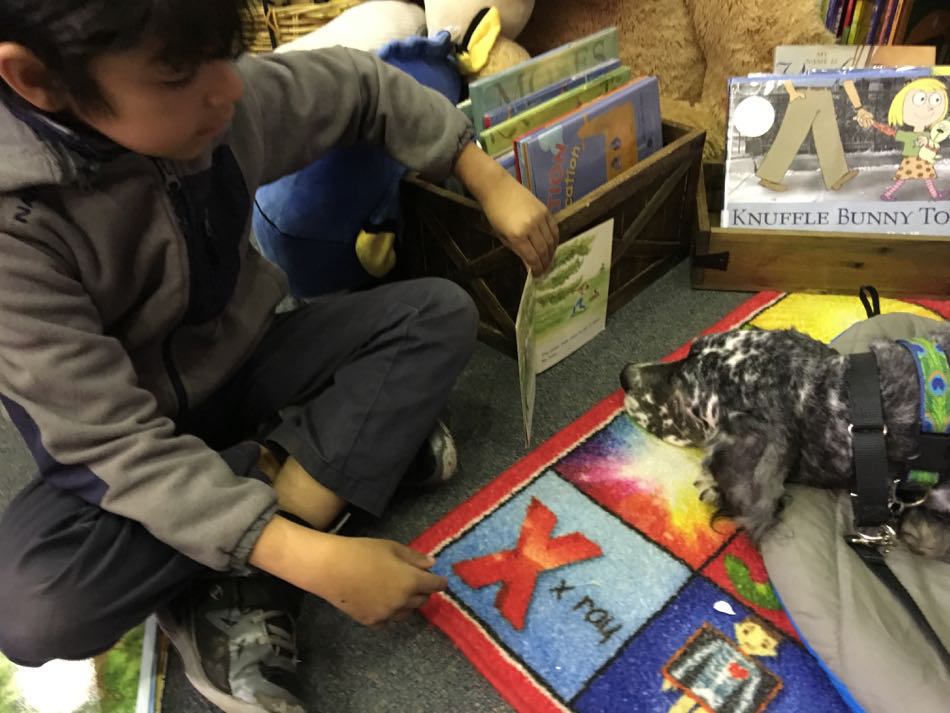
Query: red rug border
[[508, 676]]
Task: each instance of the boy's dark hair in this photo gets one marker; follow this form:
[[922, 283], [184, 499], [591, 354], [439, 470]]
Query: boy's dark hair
[[67, 34]]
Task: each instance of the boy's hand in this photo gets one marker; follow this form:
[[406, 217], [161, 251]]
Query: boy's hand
[[374, 581], [523, 223]]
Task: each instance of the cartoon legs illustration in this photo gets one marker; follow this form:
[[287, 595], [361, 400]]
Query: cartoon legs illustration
[[914, 169], [811, 111]]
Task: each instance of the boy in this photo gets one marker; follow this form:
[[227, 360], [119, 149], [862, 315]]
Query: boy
[[180, 428]]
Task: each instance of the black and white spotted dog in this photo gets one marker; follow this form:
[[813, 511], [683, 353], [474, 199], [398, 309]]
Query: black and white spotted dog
[[772, 406]]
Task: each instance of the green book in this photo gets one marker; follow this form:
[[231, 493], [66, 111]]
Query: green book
[[562, 62], [498, 139]]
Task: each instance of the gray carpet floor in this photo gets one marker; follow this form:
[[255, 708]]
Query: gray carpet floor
[[411, 667]]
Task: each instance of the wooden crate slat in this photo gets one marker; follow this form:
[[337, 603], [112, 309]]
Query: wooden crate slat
[[896, 265]]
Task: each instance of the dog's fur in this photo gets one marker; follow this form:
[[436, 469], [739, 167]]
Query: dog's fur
[[773, 406]]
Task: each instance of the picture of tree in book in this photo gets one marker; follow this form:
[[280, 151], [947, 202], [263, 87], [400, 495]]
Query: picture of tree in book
[[563, 290], [812, 111], [570, 303], [921, 106], [713, 673]]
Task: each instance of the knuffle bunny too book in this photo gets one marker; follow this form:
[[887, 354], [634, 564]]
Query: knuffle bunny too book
[[851, 151]]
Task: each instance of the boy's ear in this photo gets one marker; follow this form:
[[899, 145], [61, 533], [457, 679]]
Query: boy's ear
[[25, 74]]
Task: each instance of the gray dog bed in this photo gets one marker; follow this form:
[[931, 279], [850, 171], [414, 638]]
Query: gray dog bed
[[863, 634]]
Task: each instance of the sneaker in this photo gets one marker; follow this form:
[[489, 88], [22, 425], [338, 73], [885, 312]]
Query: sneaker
[[435, 463], [237, 650]]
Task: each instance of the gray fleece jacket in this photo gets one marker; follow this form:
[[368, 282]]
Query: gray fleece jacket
[[129, 290]]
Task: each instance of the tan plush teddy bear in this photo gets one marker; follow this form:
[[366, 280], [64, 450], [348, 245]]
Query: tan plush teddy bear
[[692, 46]]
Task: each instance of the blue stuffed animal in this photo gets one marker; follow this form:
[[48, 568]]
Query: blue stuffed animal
[[335, 225]]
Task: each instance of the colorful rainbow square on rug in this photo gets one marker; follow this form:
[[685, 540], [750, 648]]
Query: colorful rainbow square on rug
[[589, 578]]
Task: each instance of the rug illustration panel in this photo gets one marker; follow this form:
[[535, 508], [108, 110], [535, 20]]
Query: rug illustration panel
[[540, 571]]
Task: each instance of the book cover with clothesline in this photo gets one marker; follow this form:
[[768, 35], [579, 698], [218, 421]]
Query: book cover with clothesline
[[849, 151]]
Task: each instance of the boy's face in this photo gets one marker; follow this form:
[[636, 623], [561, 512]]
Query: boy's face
[[160, 111]]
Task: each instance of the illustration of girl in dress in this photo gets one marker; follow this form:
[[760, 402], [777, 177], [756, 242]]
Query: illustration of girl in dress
[[922, 106]]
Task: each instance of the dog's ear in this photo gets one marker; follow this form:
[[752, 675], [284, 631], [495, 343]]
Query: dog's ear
[[653, 378], [749, 463]]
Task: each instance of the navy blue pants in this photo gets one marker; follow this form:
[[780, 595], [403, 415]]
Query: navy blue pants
[[350, 386]]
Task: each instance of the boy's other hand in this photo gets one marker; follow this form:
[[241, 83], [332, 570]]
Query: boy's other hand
[[374, 581], [524, 224]]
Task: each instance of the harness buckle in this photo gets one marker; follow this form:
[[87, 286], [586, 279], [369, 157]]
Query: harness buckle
[[884, 539], [897, 505]]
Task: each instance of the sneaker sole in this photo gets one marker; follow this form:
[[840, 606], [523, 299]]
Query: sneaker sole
[[196, 676], [448, 464]]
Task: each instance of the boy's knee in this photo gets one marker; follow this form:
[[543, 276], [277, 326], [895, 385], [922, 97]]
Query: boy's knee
[[454, 308], [37, 629]]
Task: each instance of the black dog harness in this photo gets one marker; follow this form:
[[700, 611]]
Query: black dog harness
[[883, 490]]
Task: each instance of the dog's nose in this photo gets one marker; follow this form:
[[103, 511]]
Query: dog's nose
[[626, 377]]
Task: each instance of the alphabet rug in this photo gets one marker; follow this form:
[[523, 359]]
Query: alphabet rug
[[589, 577]]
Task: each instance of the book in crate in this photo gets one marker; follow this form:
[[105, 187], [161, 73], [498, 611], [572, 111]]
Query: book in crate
[[571, 156], [545, 70], [550, 91], [499, 139]]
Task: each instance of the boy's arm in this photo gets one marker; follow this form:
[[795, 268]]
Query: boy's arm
[[298, 105], [73, 394], [524, 224]]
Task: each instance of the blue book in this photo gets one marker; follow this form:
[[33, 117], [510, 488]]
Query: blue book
[[567, 158], [496, 116]]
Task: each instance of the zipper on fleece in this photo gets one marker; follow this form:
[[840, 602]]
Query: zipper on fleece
[[195, 225], [180, 394], [176, 195]]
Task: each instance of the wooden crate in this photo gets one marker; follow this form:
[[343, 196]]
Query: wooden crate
[[749, 259], [655, 223]]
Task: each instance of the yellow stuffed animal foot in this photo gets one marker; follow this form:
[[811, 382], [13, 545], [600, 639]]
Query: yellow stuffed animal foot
[[376, 252]]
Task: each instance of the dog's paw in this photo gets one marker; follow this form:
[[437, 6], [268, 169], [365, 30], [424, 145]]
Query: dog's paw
[[708, 489]]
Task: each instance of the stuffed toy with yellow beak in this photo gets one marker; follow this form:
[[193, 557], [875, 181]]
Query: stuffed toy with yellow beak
[[484, 32]]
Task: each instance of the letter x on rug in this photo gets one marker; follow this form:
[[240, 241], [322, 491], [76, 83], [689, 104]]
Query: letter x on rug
[[588, 577]]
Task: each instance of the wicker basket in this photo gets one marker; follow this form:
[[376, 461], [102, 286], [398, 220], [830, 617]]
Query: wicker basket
[[279, 24]]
